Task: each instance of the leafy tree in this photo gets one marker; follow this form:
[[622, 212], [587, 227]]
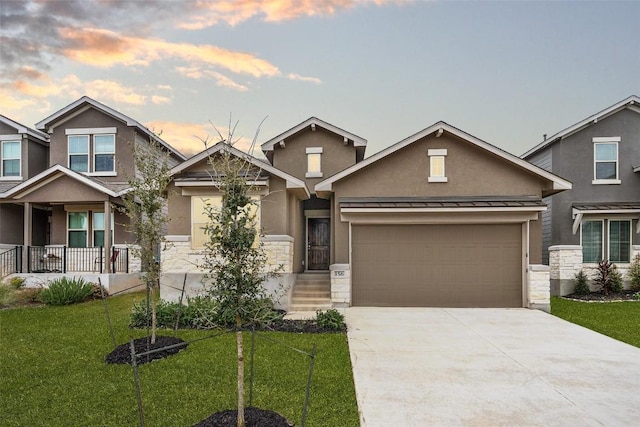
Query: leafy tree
[[582, 285], [145, 205], [233, 257]]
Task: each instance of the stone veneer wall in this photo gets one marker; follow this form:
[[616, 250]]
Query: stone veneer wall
[[565, 261], [539, 288], [340, 285], [181, 267]]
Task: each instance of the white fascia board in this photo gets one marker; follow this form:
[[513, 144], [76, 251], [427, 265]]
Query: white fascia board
[[54, 173], [292, 182], [576, 212], [23, 130], [214, 183], [631, 102], [357, 141], [558, 183]]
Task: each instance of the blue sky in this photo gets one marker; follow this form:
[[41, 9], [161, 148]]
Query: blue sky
[[505, 72]]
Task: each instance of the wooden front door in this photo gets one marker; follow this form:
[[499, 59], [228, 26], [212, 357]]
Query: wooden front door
[[318, 244]]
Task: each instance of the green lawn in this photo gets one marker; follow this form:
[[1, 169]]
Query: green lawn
[[52, 372], [619, 320]]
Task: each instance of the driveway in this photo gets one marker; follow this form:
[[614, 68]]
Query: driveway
[[488, 367]]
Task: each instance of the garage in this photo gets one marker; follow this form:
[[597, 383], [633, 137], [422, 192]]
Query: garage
[[437, 265]]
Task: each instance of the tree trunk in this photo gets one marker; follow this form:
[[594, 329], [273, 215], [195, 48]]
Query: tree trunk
[[240, 372], [153, 312]]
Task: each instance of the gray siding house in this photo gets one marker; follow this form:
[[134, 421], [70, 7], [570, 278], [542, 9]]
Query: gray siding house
[[598, 218]]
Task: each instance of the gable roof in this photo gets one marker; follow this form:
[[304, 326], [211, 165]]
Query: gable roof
[[76, 107], [58, 171], [292, 181], [22, 129], [559, 184], [313, 121], [632, 102]]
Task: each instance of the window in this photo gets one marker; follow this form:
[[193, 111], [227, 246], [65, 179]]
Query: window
[[199, 218], [436, 165], [77, 226], [617, 234], [98, 228], [104, 153], [605, 160], [314, 162], [10, 159], [591, 241], [92, 150], [620, 241], [79, 153]]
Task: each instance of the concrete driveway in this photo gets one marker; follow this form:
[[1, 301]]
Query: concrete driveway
[[488, 367]]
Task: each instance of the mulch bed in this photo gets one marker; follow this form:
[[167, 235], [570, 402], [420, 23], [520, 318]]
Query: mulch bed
[[122, 353], [254, 417], [601, 297], [298, 326]]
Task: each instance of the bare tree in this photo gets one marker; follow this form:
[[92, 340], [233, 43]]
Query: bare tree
[[145, 205]]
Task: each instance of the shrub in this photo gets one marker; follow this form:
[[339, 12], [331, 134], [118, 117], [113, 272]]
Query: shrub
[[64, 291], [166, 313], [616, 280], [17, 282], [636, 296], [634, 274], [603, 279], [331, 319], [96, 292], [582, 285]]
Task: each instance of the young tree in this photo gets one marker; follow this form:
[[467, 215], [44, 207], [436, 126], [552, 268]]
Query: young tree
[[145, 205], [234, 259]]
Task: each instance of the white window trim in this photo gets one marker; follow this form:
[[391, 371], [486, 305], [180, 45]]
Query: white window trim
[[314, 174], [606, 220], [2, 159], [90, 131], [601, 141], [95, 153], [86, 243], [433, 154], [88, 153]]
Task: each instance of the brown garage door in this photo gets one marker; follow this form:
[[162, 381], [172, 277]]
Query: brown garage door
[[437, 265]]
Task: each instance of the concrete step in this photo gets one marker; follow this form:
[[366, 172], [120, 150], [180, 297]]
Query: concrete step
[[309, 307]]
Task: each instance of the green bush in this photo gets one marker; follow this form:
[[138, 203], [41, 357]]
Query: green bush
[[582, 285], [17, 282], [65, 291], [166, 313], [616, 280], [634, 274], [330, 319]]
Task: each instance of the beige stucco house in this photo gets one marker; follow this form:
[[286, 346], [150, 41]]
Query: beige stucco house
[[440, 218]]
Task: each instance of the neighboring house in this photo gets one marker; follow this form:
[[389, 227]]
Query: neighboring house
[[598, 218], [76, 168], [440, 218]]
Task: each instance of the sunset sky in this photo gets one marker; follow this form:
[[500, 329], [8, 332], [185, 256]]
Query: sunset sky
[[506, 72]]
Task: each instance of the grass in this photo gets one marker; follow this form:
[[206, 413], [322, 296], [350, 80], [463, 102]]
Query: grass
[[619, 320], [53, 372]]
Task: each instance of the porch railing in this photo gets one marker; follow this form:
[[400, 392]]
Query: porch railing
[[10, 261], [62, 259]]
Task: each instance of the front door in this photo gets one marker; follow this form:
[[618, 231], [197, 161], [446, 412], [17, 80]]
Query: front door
[[318, 244]]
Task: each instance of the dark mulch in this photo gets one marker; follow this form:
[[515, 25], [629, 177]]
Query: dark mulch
[[601, 297], [298, 326], [122, 353], [254, 417]]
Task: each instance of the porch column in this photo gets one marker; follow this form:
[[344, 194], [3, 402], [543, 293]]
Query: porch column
[[107, 236], [26, 237]]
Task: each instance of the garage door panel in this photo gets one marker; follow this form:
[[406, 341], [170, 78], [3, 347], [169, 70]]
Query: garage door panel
[[437, 265]]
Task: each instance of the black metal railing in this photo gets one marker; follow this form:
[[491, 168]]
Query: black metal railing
[[11, 261], [62, 259]]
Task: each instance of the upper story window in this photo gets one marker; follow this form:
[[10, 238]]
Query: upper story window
[[314, 162], [10, 168], [92, 151], [605, 160], [436, 165]]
